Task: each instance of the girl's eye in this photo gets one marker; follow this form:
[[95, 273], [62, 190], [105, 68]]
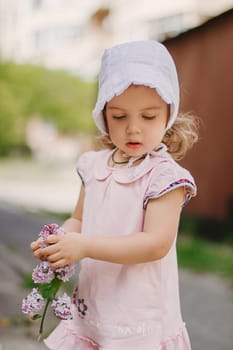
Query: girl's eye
[[118, 116], [149, 117]]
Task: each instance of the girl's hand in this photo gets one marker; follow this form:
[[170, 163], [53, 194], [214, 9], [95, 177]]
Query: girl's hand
[[62, 250], [35, 245], [36, 248]]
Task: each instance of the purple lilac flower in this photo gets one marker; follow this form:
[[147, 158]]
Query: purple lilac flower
[[50, 229], [33, 303], [43, 273], [65, 273], [47, 230], [62, 307]]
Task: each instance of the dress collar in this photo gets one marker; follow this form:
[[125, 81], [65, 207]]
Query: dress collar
[[127, 174]]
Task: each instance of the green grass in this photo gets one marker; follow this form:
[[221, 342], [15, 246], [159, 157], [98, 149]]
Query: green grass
[[204, 256], [27, 281]]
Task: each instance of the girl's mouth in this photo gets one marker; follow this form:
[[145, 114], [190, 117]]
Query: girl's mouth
[[133, 145]]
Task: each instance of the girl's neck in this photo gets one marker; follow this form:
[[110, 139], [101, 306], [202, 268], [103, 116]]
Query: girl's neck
[[120, 159]]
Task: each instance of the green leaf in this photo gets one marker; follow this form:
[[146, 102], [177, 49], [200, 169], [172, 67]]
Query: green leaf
[[35, 317], [49, 290]]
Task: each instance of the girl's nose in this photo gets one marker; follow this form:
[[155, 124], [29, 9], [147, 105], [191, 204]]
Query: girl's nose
[[133, 127]]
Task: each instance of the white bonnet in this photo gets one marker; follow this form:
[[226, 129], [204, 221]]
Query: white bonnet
[[145, 63]]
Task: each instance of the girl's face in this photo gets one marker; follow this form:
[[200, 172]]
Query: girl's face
[[136, 120]]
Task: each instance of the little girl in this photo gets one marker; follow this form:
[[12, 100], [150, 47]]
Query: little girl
[[125, 224]]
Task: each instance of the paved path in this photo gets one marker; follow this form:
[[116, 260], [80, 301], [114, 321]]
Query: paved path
[[207, 301]]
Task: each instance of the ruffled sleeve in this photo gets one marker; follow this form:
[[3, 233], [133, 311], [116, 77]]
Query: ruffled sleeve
[[85, 166], [167, 176]]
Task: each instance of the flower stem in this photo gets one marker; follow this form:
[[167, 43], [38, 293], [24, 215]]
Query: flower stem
[[43, 317]]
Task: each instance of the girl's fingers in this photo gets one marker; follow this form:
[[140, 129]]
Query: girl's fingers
[[59, 263], [54, 257], [35, 245], [49, 250], [51, 239], [38, 254]]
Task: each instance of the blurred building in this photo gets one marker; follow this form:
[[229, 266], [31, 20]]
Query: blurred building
[[204, 58], [45, 32], [71, 34]]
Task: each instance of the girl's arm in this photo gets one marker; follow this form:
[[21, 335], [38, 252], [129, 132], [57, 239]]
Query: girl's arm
[[73, 224], [159, 232]]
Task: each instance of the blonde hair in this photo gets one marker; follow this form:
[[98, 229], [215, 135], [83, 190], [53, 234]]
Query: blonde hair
[[182, 135], [178, 139]]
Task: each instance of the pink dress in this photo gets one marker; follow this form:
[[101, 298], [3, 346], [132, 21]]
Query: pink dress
[[125, 307]]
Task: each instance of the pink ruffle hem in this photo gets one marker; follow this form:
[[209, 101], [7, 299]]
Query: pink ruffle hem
[[64, 337]]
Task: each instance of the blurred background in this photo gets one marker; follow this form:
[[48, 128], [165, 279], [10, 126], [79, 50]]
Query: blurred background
[[50, 54]]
